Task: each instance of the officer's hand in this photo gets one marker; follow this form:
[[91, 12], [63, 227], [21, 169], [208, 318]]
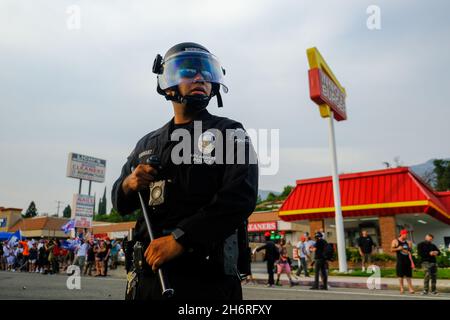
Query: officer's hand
[[139, 179], [162, 250]]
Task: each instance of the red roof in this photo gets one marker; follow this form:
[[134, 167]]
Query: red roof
[[10, 209], [444, 197], [39, 223], [379, 192]]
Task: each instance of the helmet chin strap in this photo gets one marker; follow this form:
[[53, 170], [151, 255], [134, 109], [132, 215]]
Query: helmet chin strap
[[195, 102]]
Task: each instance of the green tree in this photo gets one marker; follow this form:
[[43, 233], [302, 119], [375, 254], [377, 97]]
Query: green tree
[[286, 191], [67, 213], [271, 197], [102, 205], [115, 216], [442, 171], [31, 211]]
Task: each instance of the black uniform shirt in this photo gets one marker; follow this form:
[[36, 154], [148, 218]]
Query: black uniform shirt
[[207, 201], [320, 245]]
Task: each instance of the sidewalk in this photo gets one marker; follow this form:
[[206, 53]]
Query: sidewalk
[[333, 281], [354, 282]]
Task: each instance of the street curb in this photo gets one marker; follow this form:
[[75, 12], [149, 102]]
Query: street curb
[[353, 285], [333, 284]]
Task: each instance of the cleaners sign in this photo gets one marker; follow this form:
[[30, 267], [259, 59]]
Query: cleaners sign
[[262, 226], [86, 168]]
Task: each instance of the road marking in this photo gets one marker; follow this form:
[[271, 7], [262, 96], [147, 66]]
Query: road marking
[[415, 296]]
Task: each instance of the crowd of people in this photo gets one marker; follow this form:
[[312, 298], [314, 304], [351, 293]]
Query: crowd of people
[[95, 256], [315, 254], [308, 253], [51, 256]]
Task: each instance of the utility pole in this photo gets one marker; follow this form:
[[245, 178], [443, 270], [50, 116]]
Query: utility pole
[[59, 204]]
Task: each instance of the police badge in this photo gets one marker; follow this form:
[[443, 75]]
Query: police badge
[[157, 193]]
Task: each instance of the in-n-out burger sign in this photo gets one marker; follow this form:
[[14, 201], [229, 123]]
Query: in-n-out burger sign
[[262, 226], [324, 89]]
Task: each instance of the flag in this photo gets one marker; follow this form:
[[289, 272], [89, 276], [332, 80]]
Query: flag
[[68, 226], [15, 237], [70, 244]]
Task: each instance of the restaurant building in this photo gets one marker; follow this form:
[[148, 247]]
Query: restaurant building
[[381, 202]]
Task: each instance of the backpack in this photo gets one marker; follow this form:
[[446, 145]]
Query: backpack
[[329, 252]]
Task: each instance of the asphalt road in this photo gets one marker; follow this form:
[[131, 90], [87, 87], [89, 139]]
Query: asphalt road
[[36, 286]]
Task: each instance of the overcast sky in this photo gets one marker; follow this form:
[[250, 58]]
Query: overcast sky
[[91, 90]]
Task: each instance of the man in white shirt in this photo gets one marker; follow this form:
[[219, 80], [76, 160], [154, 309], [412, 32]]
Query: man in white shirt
[[303, 255], [81, 252]]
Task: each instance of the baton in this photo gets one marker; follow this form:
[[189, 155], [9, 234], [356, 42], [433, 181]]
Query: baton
[[166, 290]]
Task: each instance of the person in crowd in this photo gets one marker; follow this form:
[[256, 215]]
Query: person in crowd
[[32, 258], [63, 256], [2, 257], [90, 258], [271, 255], [6, 251], [100, 253], [70, 256], [115, 248], [310, 254], [365, 247], [10, 258], [43, 252], [53, 256], [428, 252], [80, 254], [107, 256], [19, 260], [284, 263], [402, 247], [303, 256]]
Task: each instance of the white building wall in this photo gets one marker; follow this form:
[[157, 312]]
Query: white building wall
[[437, 228]]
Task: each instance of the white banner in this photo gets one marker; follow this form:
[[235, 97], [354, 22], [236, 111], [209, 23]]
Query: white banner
[[83, 210], [118, 234]]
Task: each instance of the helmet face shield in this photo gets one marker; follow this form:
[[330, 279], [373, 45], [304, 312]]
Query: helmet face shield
[[191, 66]]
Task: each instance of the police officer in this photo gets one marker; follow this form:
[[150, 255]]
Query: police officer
[[199, 206]]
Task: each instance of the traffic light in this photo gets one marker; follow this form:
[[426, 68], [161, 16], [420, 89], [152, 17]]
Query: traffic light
[[275, 235], [272, 235]]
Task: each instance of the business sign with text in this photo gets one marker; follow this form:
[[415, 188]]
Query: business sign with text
[[86, 168], [324, 89], [262, 226], [83, 210]]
